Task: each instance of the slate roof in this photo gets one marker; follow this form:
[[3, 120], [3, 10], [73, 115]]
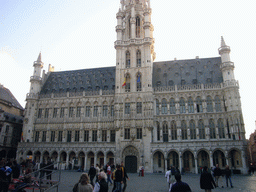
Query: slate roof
[[7, 96], [187, 72], [165, 73], [80, 80]]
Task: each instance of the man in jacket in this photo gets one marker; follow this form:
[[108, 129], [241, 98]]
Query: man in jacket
[[92, 173], [124, 176], [217, 175], [180, 186]]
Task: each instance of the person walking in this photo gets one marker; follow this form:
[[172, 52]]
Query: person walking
[[92, 173], [102, 185], [124, 176], [228, 176], [83, 185], [168, 176], [97, 172], [113, 177], [118, 179], [206, 180], [179, 186], [217, 174], [109, 174], [15, 170]]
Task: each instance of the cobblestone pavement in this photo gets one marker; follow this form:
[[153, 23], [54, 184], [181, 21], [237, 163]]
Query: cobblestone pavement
[[157, 183]]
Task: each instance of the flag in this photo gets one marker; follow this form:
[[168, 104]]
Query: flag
[[138, 81], [124, 82]]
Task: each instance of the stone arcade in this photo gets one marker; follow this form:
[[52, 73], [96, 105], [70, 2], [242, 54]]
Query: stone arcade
[[185, 113]]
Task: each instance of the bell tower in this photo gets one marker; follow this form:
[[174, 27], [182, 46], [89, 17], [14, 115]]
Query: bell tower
[[134, 46], [134, 66]]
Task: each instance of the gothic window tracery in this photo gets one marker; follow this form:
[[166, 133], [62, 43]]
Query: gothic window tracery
[[182, 106], [128, 59], [172, 106], [209, 104], [192, 128], [217, 104], [212, 129], [157, 107], [199, 106], [174, 130], [127, 83], [165, 132], [138, 57], [190, 105], [164, 106], [184, 132], [201, 129], [221, 129], [139, 82]]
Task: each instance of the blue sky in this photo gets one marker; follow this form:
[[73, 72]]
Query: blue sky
[[78, 34]]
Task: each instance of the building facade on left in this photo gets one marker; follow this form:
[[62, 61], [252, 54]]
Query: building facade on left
[[11, 122]]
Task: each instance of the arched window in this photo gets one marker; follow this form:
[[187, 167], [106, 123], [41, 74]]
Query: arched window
[[164, 106], [158, 131], [128, 59], [139, 82], [174, 130], [209, 104], [184, 132], [217, 104], [138, 27], [182, 106], [192, 128], [165, 132], [201, 129], [221, 129], [212, 129], [157, 107], [172, 107], [199, 107], [190, 105], [138, 58], [127, 83]]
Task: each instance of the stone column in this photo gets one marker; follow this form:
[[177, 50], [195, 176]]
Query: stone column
[[105, 159], [196, 168], [165, 164], [211, 159], [58, 162], [226, 157], [85, 162], [244, 162], [180, 161], [95, 160], [67, 161]]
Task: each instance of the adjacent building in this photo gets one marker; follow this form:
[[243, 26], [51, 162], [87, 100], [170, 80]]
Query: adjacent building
[[11, 122], [185, 113]]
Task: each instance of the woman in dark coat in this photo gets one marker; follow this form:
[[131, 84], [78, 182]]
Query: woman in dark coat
[[206, 180]]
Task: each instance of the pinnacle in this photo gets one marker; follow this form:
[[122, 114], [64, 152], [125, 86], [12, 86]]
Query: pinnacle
[[39, 58], [223, 44]]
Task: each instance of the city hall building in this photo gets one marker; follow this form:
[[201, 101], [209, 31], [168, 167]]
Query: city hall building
[[185, 113]]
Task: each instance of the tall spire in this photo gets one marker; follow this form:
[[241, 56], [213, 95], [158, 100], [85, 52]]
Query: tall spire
[[39, 58]]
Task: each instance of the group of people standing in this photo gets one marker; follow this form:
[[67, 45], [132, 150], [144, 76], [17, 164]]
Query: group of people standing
[[104, 176], [208, 180]]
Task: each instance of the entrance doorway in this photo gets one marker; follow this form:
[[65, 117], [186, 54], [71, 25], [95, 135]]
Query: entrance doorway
[[131, 164]]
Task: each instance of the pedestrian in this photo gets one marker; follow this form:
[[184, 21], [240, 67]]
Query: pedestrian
[[109, 174], [36, 169], [4, 183], [217, 174], [42, 169], [124, 176], [168, 176], [113, 177], [49, 169], [97, 172], [206, 180], [173, 171], [15, 170], [102, 185], [228, 176], [179, 186], [83, 185], [118, 179], [92, 173]]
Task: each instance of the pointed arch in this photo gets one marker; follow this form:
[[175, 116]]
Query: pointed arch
[[128, 59], [212, 129], [138, 80], [192, 128], [138, 58], [138, 27], [184, 132], [164, 106]]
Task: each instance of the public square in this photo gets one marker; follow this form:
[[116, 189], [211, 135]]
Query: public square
[[157, 183]]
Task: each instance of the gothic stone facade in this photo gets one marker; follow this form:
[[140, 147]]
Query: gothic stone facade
[[185, 113]]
